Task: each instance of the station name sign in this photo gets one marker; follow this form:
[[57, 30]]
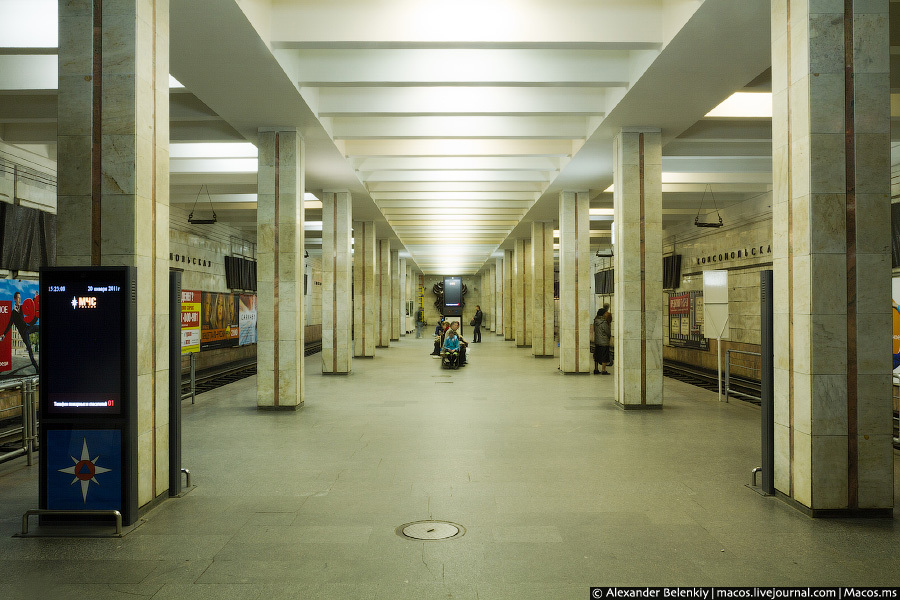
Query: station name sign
[[735, 254]]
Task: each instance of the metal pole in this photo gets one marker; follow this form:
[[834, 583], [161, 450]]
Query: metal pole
[[767, 381], [719, 363], [193, 376], [727, 373], [27, 401]]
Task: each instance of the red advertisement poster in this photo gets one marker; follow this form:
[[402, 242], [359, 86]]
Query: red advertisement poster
[[190, 321], [19, 325]]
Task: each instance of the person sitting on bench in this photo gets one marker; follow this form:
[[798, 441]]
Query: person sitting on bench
[[451, 349], [440, 333], [463, 344]]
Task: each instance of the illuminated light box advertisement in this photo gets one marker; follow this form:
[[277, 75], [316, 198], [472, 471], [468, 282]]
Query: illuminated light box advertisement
[[190, 321], [19, 328], [248, 320]]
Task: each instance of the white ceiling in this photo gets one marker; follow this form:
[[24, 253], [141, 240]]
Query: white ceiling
[[453, 125]]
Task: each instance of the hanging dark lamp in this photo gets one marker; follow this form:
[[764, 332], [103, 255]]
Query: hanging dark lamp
[[697, 220], [191, 218]]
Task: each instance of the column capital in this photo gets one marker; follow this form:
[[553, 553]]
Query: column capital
[[279, 130], [637, 129]]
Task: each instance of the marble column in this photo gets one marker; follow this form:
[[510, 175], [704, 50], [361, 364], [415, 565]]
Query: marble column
[[498, 295], [404, 294], [492, 302], [520, 296], [483, 298], [337, 276], [113, 185], [364, 306], [509, 325], [831, 231], [574, 285], [637, 321], [279, 216], [394, 281], [383, 308], [540, 278]]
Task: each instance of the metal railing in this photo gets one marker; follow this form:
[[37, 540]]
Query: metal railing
[[752, 370], [192, 389], [28, 409]]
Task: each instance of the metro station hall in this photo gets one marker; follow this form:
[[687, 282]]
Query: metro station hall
[[411, 299]]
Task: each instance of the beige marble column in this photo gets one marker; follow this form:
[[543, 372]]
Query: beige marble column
[[539, 277], [498, 295], [280, 346], [394, 282], [483, 298], [383, 308], [520, 298], [637, 321], [403, 294], [574, 285], [831, 231], [113, 184], [492, 283], [364, 305], [337, 276], [509, 324]]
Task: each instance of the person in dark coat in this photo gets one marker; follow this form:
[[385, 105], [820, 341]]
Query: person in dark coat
[[476, 323]]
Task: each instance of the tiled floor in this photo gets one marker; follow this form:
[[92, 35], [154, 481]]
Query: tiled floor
[[557, 488]]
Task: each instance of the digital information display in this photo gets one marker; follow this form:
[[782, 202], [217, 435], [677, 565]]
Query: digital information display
[[84, 375], [88, 391]]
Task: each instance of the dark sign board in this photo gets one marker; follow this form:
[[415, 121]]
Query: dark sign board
[[88, 397], [453, 296]]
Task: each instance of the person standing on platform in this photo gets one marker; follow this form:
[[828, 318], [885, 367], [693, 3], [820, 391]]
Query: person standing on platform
[[476, 323], [602, 336], [420, 322]]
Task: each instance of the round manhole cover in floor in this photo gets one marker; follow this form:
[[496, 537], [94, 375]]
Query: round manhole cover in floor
[[430, 530]]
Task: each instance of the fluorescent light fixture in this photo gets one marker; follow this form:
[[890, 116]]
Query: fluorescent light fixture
[[29, 24], [312, 225], [745, 105], [174, 83], [556, 246], [213, 150], [602, 211]]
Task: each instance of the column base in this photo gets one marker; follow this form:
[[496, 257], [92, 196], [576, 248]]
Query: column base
[[638, 406], [336, 372], [281, 408], [162, 497], [836, 513], [365, 356], [523, 345], [548, 356]]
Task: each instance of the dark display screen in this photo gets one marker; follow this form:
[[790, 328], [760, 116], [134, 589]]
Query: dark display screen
[[452, 291], [82, 342]]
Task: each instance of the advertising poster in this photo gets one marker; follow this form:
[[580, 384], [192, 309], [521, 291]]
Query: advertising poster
[[218, 320], [247, 320], [19, 326], [685, 320], [190, 321]]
